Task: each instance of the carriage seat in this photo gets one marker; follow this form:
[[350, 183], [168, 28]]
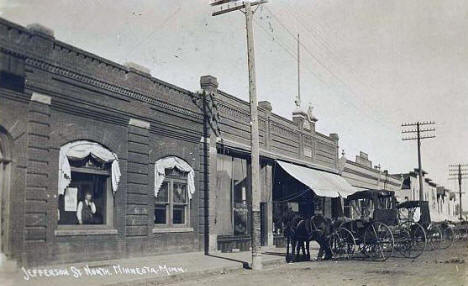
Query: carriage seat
[[339, 221], [386, 216]]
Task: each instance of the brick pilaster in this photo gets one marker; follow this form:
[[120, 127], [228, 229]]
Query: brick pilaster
[[139, 200], [37, 197]]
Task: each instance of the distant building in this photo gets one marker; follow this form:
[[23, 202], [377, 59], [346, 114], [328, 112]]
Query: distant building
[[362, 175], [442, 201]]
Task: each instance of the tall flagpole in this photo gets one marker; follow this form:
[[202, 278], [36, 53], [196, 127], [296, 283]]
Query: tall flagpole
[[298, 99]]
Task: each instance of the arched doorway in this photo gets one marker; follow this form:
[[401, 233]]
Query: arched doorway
[[5, 165]]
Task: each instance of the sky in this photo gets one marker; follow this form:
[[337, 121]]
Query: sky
[[367, 66]]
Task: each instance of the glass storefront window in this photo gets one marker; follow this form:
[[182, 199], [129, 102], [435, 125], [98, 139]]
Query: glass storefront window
[[233, 195], [88, 199]]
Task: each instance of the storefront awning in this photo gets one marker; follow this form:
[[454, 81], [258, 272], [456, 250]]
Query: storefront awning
[[322, 183]]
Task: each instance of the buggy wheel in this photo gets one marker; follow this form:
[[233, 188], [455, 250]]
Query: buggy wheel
[[342, 243], [403, 241], [434, 235], [448, 236], [418, 240], [378, 241]]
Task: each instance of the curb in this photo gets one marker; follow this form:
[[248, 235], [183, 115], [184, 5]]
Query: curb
[[161, 280]]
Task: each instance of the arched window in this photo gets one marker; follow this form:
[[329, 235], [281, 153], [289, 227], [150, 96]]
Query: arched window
[[173, 188], [89, 175]]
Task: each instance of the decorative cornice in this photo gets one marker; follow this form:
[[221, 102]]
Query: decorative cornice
[[232, 112], [109, 87]]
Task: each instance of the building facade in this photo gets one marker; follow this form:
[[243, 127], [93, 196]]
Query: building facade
[[100, 160], [443, 202], [363, 175], [73, 123]]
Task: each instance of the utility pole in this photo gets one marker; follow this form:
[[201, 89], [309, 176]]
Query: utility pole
[[459, 172], [255, 152], [420, 135]]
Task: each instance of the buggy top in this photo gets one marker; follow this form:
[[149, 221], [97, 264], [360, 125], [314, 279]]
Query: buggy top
[[384, 204], [371, 194], [423, 206]]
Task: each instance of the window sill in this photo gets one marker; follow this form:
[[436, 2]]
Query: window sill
[[77, 231], [172, 229]]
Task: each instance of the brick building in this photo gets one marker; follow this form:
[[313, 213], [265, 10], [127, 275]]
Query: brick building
[[101, 160], [56, 99]]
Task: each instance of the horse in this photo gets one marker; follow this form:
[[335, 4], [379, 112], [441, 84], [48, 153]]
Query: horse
[[300, 231]]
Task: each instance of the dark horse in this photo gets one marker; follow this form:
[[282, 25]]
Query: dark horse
[[300, 231]]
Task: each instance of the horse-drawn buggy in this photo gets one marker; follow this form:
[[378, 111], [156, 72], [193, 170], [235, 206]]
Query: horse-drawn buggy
[[440, 235], [377, 229], [370, 228], [373, 226]]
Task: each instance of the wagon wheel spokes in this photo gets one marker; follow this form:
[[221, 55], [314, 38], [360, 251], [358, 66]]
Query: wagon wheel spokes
[[343, 243], [418, 239], [403, 241], [448, 236], [434, 234], [378, 238]]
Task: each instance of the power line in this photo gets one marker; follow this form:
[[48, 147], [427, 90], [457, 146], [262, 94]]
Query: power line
[[320, 41], [324, 66], [288, 51]]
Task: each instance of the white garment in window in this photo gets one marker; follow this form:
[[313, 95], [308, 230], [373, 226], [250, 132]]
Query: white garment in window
[[80, 209], [80, 150], [169, 163]]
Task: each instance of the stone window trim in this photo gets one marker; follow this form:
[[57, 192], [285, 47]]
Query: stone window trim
[[84, 230], [175, 229]]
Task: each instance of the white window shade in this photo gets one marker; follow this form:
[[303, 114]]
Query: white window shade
[[169, 163], [82, 149]]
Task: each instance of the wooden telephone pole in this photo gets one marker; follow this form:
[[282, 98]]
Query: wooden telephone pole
[[420, 135], [246, 6], [459, 172]]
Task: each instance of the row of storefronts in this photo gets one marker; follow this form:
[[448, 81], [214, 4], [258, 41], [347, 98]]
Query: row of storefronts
[[100, 160], [443, 203]]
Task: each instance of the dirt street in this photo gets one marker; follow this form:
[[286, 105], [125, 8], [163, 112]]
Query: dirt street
[[440, 267]]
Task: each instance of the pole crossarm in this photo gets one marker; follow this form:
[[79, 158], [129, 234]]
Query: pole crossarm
[[418, 123], [235, 8], [221, 2], [416, 131], [416, 138]]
